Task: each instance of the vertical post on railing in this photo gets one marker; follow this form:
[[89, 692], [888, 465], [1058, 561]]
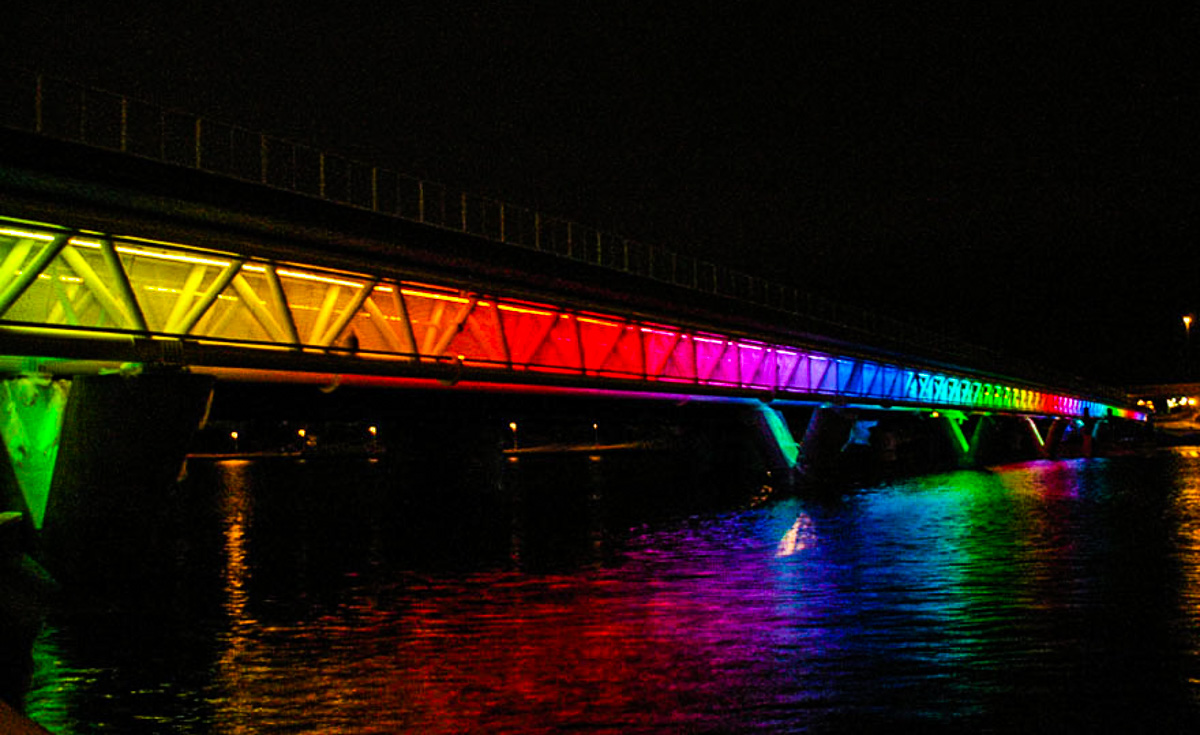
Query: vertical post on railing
[[502, 222], [124, 124], [537, 230], [37, 104], [262, 158], [321, 174], [162, 134], [420, 201], [198, 132], [599, 248], [82, 115], [462, 204], [570, 244], [374, 189]]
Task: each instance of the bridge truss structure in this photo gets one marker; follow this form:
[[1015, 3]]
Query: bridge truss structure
[[96, 296]]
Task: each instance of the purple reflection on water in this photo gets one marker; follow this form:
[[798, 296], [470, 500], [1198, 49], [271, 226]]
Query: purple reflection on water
[[1033, 597]]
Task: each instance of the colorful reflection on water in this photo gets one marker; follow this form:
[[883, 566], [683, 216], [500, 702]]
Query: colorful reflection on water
[[1042, 596]]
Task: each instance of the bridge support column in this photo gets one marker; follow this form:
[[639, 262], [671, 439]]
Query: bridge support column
[[827, 432], [1093, 437], [1054, 436], [967, 452], [983, 440], [31, 412], [1036, 440], [123, 443], [952, 425], [782, 453]]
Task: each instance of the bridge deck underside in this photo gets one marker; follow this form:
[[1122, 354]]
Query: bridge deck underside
[[54, 281]]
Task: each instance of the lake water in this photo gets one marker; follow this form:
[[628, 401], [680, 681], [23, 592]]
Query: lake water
[[584, 595]]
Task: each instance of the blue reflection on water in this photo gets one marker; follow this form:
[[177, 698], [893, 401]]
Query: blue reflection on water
[[1041, 596]]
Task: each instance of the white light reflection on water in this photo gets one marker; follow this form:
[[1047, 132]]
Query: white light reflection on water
[[798, 538]]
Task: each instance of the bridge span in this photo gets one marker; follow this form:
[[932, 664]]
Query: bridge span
[[131, 284], [94, 301]]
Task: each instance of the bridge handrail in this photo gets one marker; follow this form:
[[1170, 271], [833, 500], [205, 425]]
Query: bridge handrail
[[69, 111]]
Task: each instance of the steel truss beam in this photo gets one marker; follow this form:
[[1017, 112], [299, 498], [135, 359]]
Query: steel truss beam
[[57, 279]]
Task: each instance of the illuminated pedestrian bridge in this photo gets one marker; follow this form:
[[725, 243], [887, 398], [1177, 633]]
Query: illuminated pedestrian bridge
[[113, 299], [142, 272]]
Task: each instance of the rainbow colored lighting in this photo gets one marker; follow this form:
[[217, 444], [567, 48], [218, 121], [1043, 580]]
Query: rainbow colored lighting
[[51, 278]]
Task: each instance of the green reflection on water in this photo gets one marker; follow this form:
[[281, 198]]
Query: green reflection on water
[[974, 597]]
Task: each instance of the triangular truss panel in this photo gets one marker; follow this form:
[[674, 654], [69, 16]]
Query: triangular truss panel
[[757, 367], [483, 340], [62, 280], [657, 344], [249, 308], [540, 339], [610, 348], [786, 364], [436, 318], [681, 362], [169, 284], [850, 378], [709, 351], [870, 380], [725, 366], [834, 377], [795, 377], [820, 368], [294, 305], [528, 330], [559, 350], [454, 340], [383, 327]]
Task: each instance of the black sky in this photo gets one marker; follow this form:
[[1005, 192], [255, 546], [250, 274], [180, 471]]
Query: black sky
[[1026, 180]]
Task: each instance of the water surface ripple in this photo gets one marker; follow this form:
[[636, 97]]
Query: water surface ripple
[[1040, 597]]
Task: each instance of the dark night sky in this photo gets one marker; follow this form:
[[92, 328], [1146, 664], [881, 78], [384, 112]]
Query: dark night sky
[[1027, 181]]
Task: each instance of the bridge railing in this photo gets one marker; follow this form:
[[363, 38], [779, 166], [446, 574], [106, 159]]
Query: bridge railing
[[73, 112]]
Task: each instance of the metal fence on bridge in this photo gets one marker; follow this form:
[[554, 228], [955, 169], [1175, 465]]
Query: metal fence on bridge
[[73, 112]]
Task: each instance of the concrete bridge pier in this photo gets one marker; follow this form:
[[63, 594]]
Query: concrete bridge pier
[[951, 424], [1006, 438], [1036, 438], [826, 434], [122, 445], [969, 437], [1095, 434], [1053, 437], [780, 449], [31, 412]]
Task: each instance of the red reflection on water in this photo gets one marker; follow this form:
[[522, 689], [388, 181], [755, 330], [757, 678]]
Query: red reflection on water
[[497, 654], [678, 638]]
